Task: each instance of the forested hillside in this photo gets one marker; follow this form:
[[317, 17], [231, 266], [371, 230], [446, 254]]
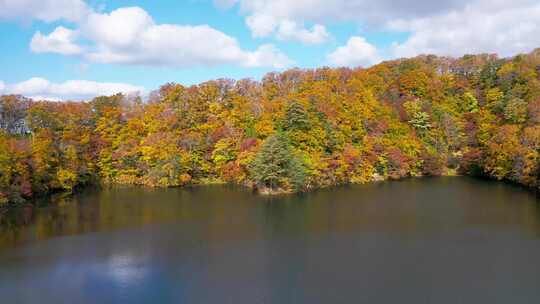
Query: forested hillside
[[292, 131]]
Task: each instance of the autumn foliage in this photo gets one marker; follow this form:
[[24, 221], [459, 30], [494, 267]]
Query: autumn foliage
[[294, 131]]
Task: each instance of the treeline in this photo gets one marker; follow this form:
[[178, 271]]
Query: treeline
[[292, 131]]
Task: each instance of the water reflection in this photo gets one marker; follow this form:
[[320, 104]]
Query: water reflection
[[448, 240], [125, 270]]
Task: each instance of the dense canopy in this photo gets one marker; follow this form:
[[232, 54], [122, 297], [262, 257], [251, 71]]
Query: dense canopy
[[292, 131]]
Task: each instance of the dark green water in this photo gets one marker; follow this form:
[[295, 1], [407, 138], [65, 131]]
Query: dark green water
[[445, 240]]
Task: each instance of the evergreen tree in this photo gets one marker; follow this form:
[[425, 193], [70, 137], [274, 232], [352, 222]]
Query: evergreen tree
[[297, 117], [276, 167]]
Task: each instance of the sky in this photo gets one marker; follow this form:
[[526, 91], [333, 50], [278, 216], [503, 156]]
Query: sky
[[77, 49]]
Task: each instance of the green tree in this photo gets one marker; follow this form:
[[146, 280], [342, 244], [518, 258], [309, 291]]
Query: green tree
[[296, 117], [276, 167]]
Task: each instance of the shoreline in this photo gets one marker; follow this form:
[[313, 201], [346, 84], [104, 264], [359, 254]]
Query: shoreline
[[263, 191]]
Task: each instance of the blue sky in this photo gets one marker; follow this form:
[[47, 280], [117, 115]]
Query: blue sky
[[76, 49]]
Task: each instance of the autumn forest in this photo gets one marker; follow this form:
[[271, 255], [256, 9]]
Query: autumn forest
[[293, 131]]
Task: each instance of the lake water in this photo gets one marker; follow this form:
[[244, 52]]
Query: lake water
[[441, 240]]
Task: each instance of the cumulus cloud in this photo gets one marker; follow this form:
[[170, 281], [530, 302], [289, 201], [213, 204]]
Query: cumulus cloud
[[265, 25], [357, 52], [323, 11], [449, 27], [506, 28], [272, 17], [266, 53], [61, 41], [137, 39], [290, 30], [42, 89], [44, 10], [131, 36], [2, 86]]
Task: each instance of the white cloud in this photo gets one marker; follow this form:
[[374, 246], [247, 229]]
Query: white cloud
[[506, 28], [273, 17], [61, 41], [357, 52], [290, 30], [130, 36], [266, 53], [46, 98], [262, 25], [40, 88], [448, 27], [129, 24], [31, 86], [44, 10], [324, 11], [2, 86]]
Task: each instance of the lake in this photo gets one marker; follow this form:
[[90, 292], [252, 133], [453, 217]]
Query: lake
[[439, 240]]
